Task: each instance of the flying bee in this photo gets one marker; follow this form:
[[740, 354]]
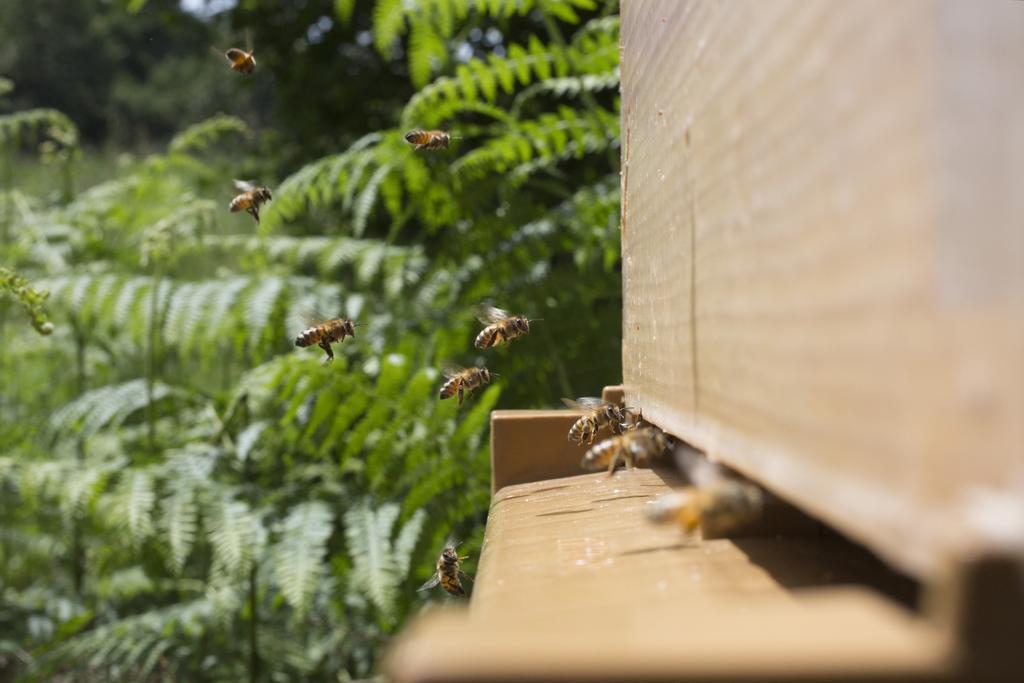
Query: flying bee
[[428, 140], [715, 509], [502, 326], [447, 572], [326, 333], [596, 414], [240, 60], [460, 381], [250, 198], [631, 447]]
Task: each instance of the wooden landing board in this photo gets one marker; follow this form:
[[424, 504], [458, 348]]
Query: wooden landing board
[[823, 256], [575, 584]]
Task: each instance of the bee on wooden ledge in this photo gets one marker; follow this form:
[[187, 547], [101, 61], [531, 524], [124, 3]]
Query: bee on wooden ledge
[[637, 445], [716, 508]]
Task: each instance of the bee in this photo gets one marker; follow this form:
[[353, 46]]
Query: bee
[[428, 140], [448, 573], [630, 447], [250, 198], [502, 326], [326, 333], [240, 60], [459, 381], [715, 509], [596, 414]]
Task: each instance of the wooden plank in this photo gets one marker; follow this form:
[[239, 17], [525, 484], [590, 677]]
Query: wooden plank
[[575, 584], [823, 257]]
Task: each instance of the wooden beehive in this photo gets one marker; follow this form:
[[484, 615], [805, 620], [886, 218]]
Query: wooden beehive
[[823, 256], [823, 276]]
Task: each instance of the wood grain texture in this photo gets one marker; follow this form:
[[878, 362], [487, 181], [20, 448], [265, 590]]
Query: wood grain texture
[[823, 256], [574, 584]]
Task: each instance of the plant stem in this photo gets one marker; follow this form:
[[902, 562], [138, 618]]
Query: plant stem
[[151, 362], [77, 547], [254, 652]]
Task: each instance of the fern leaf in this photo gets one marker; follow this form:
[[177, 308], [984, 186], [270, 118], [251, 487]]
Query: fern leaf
[[299, 552]]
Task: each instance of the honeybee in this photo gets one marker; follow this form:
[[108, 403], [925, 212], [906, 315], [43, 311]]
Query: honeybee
[[240, 60], [630, 447], [326, 333], [448, 573], [715, 509], [428, 140], [596, 414], [250, 198], [460, 381], [502, 326]]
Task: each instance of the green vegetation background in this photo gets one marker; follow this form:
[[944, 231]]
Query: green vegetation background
[[184, 495]]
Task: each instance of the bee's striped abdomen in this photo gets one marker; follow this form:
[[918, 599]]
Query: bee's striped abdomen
[[451, 387], [584, 429], [309, 336], [488, 337], [450, 582]]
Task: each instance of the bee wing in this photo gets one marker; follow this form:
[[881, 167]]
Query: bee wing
[[490, 315], [431, 583], [220, 53], [244, 185], [312, 316], [451, 370], [585, 402], [248, 40]]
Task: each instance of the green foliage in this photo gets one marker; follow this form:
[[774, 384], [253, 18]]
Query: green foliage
[[30, 299], [184, 494], [198, 138]]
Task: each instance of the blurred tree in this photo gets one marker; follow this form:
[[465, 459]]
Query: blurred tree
[[131, 78]]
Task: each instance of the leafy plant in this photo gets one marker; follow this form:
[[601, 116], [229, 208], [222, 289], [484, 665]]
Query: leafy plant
[[222, 505]]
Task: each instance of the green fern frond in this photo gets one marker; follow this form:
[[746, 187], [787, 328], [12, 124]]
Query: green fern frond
[[549, 138], [38, 124], [107, 406], [380, 565], [198, 138], [299, 553], [180, 520], [594, 51], [236, 535], [316, 184], [133, 504]]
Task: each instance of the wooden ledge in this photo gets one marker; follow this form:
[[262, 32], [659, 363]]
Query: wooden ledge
[[575, 584]]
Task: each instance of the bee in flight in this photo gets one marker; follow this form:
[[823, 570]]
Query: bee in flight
[[448, 573], [428, 140], [502, 326], [630, 447], [597, 414], [460, 381], [240, 60], [326, 333], [716, 508], [249, 199]]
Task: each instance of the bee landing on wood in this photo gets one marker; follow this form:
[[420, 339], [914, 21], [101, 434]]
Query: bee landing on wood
[[250, 198], [240, 60], [447, 572], [502, 327], [460, 381], [715, 509], [428, 140], [327, 333], [634, 446], [596, 414]]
